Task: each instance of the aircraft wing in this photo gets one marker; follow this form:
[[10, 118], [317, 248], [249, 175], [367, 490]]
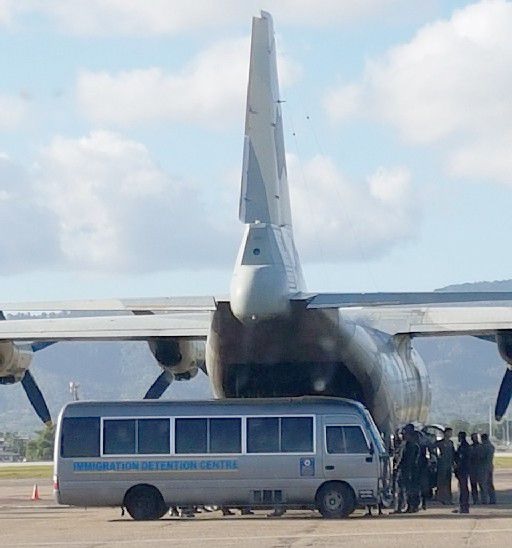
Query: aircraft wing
[[342, 300], [159, 304], [108, 328], [423, 313], [424, 321], [484, 315]]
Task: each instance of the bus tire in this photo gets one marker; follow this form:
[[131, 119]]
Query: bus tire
[[335, 500], [144, 502]]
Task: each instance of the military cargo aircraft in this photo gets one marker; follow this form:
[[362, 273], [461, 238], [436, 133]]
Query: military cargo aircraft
[[270, 337]]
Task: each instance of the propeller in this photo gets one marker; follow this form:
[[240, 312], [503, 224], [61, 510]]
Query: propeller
[[36, 397], [34, 394], [504, 395], [159, 386]]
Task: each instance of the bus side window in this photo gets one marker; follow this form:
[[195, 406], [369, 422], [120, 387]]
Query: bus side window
[[80, 437], [355, 441], [345, 439], [334, 439], [263, 435], [225, 435], [153, 436], [191, 436], [119, 437], [296, 434]]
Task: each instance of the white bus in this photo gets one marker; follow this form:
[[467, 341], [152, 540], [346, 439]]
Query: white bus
[[309, 452]]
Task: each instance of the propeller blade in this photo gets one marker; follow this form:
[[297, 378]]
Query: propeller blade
[[35, 397], [40, 345], [159, 386], [504, 395]]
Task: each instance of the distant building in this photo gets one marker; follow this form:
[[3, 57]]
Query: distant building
[[7, 454]]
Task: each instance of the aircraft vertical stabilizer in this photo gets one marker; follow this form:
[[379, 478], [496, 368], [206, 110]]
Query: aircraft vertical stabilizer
[[264, 194]]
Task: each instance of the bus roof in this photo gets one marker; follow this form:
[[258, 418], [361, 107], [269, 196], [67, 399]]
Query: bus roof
[[303, 404]]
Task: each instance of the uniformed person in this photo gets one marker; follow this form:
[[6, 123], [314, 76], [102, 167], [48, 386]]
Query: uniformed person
[[476, 471], [462, 457], [488, 467], [409, 468], [398, 480], [423, 469], [445, 460]]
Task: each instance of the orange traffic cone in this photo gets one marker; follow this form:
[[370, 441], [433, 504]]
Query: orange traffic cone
[[35, 493]]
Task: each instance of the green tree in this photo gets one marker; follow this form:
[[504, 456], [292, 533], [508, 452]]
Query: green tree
[[460, 425], [41, 448], [480, 427]]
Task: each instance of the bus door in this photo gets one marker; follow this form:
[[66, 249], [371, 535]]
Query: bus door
[[349, 455]]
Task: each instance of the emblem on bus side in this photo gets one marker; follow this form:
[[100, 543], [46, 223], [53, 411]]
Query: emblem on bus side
[[307, 466]]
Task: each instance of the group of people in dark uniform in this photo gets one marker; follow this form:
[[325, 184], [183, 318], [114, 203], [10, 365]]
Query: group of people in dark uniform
[[423, 469]]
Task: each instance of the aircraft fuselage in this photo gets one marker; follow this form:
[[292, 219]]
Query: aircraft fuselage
[[316, 352]]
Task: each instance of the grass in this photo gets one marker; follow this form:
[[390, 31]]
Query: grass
[[503, 462], [26, 471]]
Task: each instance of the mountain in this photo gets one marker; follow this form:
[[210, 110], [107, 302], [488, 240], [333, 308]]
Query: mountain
[[498, 285], [465, 373]]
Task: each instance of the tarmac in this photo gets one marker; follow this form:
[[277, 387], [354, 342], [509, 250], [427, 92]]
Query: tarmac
[[27, 523]]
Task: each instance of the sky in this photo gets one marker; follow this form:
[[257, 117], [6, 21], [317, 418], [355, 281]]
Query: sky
[[121, 133]]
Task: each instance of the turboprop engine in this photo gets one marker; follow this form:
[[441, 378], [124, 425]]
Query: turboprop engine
[[14, 367], [14, 362], [179, 359]]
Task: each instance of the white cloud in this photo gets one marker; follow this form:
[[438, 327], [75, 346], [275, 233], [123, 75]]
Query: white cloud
[[485, 158], [339, 219], [344, 102], [26, 230], [328, 12], [6, 11], [451, 83], [100, 203], [209, 90], [13, 110], [134, 17], [116, 210]]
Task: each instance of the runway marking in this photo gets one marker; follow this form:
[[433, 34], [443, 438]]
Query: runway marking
[[32, 506], [263, 537]]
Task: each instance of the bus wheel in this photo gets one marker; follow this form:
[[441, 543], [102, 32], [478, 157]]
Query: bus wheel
[[335, 500], [145, 502]]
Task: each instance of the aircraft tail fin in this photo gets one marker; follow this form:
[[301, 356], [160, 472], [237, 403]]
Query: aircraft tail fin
[[264, 195]]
